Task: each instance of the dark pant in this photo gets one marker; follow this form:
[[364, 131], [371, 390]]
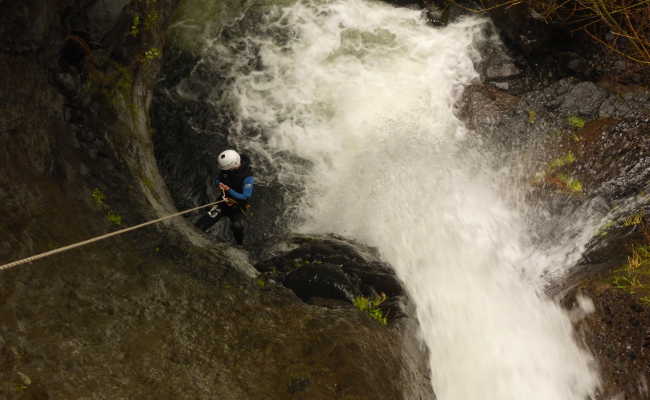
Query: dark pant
[[236, 217]]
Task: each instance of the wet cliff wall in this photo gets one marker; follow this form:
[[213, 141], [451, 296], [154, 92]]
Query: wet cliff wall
[[161, 312]]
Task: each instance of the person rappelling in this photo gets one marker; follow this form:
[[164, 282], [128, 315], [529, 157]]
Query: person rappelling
[[235, 182]]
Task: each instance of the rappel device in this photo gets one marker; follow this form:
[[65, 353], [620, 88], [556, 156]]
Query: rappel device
[[216, 210]]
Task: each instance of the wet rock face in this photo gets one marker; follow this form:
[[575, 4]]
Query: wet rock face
[[192, 131], [568, 107], [331, 268], [618, 333], [150, 318], [150, 314], [581, 148]]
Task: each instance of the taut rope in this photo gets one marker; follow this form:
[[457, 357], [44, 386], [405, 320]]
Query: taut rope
[[98, 238]]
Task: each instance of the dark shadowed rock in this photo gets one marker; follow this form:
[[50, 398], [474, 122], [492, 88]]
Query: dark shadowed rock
[[323, 280], [365, 274], [336, 269]]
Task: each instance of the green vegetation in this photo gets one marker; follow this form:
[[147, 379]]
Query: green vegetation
[[113, 80], [151, 20], [152, 54], [576, 122], [634, 276], [634, 219], [570, 183], [371, 307], [621, 26], [569, 158], [135, 26], [114, 218], [99, 199], [561, 180], [532, 116], [299, 262], [145, 16], [602, 231]]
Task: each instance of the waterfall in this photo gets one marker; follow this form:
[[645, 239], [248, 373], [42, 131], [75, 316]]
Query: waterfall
[[364, 93]]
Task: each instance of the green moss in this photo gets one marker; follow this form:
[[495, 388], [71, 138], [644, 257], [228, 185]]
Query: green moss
[[532, 116], [147, 182], [145, 17], [135, 26], [576, 122], [98, 198], [298, 263], [152, 54], [151, 20], [570, 183], [114, 218], [371, 307], [567, 159]]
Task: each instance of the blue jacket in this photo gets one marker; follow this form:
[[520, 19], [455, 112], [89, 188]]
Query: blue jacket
[[240, 180], [246, 191]]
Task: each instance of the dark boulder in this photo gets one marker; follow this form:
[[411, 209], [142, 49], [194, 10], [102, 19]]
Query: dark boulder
[[323, 280], [335, 269]]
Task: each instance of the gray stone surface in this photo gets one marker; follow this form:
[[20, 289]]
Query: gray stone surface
[[584, 98]]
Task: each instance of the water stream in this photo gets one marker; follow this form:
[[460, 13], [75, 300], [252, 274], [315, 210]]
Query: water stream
[[364, 92]]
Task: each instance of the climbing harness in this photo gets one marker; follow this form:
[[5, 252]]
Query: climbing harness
[[216, 210], [98, 238]]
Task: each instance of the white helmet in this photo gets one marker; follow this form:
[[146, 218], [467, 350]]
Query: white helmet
[[229, 159]]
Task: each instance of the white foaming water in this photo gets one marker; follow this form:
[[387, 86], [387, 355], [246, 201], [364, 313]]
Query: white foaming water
[[365, 92]]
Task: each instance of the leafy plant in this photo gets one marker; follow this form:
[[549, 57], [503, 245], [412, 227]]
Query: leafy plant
[[152, 54], [569, 158], [98, 197], [151, 20], [576, 122], [630, 277], [135, 26], [114, 218], [570, 183], [371, 307]]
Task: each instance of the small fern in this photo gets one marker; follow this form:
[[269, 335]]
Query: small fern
[[371, 307]]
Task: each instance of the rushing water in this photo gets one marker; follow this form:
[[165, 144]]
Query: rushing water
[[364, 92]]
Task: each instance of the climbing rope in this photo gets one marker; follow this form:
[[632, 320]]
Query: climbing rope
[[98, 238]]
